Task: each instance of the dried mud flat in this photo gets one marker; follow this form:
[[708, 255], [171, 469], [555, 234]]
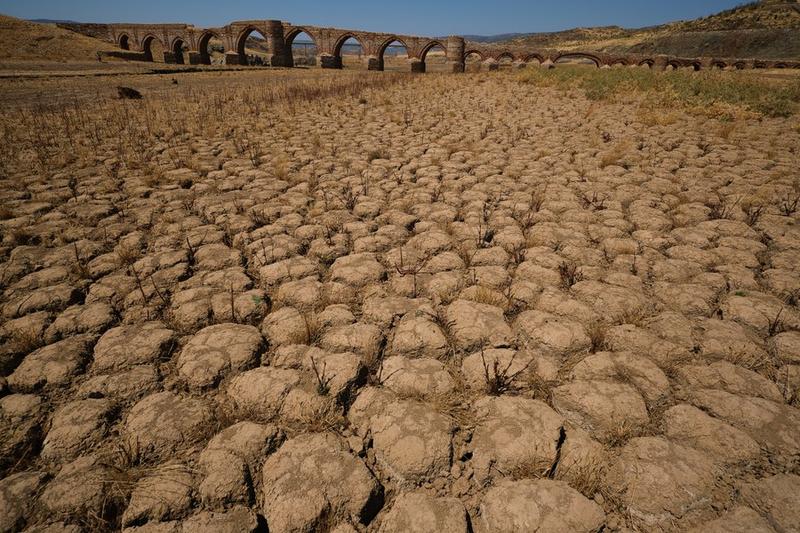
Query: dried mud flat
[[433, 303]]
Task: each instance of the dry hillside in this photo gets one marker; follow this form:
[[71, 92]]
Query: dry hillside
[[23, 40], [766, 29]]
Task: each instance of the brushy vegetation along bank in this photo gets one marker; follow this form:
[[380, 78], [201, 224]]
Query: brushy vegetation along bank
[[717, 93]]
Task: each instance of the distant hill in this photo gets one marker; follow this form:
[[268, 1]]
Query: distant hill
[[769, 29], [25, 40], [53, 21]]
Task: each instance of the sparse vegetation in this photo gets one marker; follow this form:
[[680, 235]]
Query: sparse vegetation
[[699, 92]]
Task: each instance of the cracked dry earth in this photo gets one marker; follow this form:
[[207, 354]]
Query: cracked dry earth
[[455, 303]]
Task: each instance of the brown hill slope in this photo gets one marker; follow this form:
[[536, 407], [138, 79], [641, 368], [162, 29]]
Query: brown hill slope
[[23, 40], [769, 29]]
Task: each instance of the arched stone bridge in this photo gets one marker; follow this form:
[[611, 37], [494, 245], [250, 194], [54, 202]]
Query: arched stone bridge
[[184, 43]]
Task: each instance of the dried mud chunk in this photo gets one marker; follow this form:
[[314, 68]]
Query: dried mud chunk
[[604, 408], [416, 376], [318, 470], [776, 497], [663, 481], [556, 334], [303, 294], [787, 346], [732, 378], [76, 426], [93, 317], [495, 370], [286, 326], [639, 371], [475, 325], [691, 426], [17, 494], [262, 390], [631, 338], [357, 270], [53, 298], [216, 350], [609, 300], [164, 421], [217, 256], [537, 505], [237, 520], [53, 365], [689, 298], [412, 442], [125, 346], [287, 269], [418, 337], [759, 311], [81, 487], [775, 426], [730, 340], [126, 385], [514, 435], [738, 520], [360, 338], [231, 459], [418, 512], [164, 494]]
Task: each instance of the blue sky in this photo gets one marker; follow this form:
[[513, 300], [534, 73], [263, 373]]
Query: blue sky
[[422, 17]]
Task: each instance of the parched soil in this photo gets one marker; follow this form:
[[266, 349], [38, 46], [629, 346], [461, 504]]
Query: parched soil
[[370, 302]]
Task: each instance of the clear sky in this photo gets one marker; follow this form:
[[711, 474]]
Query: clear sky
[[421, 17]]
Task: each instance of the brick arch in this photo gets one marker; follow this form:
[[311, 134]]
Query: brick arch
[[202, 45], [341, 39], [530, 57], [476, 52], [674, 63], [176, 48], [696, 65], [297, 30], [429, 46], [649, 62], [504, 55], [124, 41], [146, 41], [241, 39], [718, 64], [593, 58], [618, 61], [389, 40]]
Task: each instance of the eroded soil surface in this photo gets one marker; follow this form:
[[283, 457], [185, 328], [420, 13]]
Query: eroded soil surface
[[455, 303]]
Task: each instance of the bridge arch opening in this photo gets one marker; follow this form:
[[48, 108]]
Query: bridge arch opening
[[178, 47], [696, 66], [472, 61], [719, 65], [505, 61], [124, 42], [672, 65], [252, 48], [211, 48], [619, 63], [302, 47], [153, 49], [434, 57], [577, 59], [647, 63], [393, 55], [534, 60], [349, 52]]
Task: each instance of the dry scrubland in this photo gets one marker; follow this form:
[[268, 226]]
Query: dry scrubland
[[373, 302]]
